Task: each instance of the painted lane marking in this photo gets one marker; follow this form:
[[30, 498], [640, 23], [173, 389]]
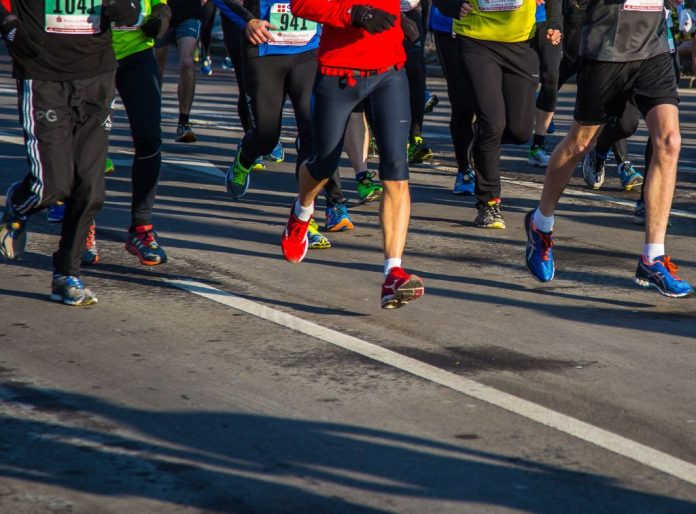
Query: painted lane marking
[[615, 443]]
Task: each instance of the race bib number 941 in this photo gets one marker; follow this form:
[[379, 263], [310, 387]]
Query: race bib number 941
[[289, 29], [73, 16]]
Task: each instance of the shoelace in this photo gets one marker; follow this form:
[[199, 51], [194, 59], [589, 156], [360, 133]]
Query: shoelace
[[240, 174], [671, 267], [367, 177], [92, 237], [546, 245], [297, 229], [146, 237]]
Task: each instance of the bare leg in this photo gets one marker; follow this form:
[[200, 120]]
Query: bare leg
[[357, 142], [161, 54], [542, 122], [187, 75], [309, 186], [394, 215], [663, 124], [563, 162]]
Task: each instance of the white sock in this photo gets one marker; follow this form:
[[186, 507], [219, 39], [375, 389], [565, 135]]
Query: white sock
[[543, 223], [651, 251], [303, 213], [390, 263]]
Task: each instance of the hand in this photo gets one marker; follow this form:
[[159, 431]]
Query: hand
[[19, 44], [157, 24], [371, 19], [410, 28], [554, 36], [539, 2], [465, 9], [258, 32], [121, 12]]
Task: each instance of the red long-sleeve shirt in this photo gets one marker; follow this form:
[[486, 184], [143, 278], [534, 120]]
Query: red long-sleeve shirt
[[345, 46]]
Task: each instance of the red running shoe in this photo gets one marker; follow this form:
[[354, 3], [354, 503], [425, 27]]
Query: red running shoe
[[399, 288], [294, 241]]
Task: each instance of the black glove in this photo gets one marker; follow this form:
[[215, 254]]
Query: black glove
[[18, 42], [157, 23], [371, 19], [121, 12]]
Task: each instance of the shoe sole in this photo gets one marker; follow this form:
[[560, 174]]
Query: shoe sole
[[647, 284], [58, 298], [343, 226], [186, 138], [320, 246], [631, 185], [536, 164], [409, 291], [421, 160], [93, 262], [463, 193], [498, 225], [375, 195], [142, 260]]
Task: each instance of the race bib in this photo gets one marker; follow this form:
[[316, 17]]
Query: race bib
[[644, 5], [290, 30], [499, 5], [73, 16]]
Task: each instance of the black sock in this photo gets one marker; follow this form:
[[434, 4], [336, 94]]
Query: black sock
[[538, 140], [183, 118]]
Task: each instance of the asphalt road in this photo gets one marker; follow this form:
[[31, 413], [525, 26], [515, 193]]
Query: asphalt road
[[231, 381]]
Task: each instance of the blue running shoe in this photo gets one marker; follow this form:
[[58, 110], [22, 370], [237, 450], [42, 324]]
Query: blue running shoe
[[662, 275], [539, 257], [207, 67], [276, 155], [465, 183], [56, 212], [552, 127], [630, 177], [237, 179], [337, 218], [71, 291]]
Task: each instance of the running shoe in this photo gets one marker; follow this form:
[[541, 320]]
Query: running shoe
[[418, 151], [185, 134], [593, 170], [258, 165], [368, 191], [56, 212], [629, 176], [552, 127], [372, 150], [227, 63], [294, 242], [338, 219], [662, 275], [13, 236], [142, 242], [539, 256], [71, 291], [109, 167], [207, 67], [538, 156], [431, 102], [276, 155], [465, 182], [91, 254], [399, 288], [317, 240], [489, 215], [237, 179]]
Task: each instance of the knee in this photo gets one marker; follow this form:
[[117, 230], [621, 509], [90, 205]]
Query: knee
[[668, 145], [518, 135], [578, 144], [147, 146], [490, 131], [186, 65]]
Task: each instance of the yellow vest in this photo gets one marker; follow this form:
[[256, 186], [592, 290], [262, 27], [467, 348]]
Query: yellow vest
[[490, 21]]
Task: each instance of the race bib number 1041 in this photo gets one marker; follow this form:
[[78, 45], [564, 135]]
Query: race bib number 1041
[[73, 16]]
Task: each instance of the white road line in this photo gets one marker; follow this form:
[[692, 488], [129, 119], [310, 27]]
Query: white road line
[[645, 455]]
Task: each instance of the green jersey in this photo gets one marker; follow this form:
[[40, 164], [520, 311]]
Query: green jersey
[[129, 40]]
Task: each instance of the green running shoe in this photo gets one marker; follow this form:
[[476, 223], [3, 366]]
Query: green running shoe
[[368, 191], [237, 179], [109, 167], [418, 151], [317, 240]]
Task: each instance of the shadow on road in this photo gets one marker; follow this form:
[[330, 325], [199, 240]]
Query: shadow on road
[[246, 463]]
